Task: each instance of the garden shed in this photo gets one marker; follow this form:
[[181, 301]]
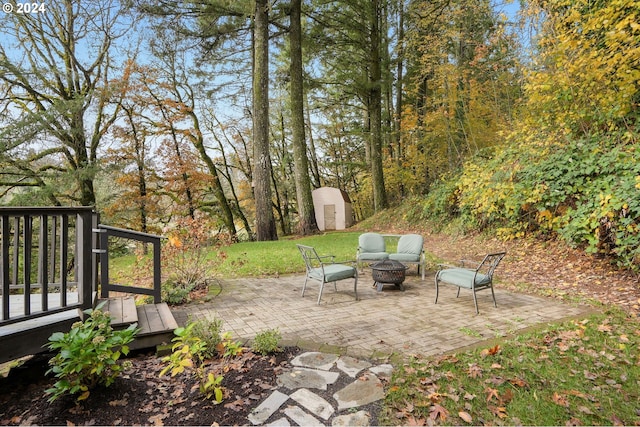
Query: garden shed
[[333, 208]]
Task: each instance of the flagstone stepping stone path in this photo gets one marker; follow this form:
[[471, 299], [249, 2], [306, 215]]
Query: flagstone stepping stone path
[[304, 395]]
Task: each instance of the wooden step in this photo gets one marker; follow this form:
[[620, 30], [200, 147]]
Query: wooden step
[[154, 318], [156, 323], [123, 311]]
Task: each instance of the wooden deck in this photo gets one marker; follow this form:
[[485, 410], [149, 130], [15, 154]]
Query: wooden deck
[[155, 321], [54, 301], [63, 249]]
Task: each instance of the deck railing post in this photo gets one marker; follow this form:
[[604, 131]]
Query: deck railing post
[[5, 267], [83, 258], [43, 276], [157, 276], [26, 270]]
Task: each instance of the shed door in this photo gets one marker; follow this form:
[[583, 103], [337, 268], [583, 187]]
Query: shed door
[[329, 217]]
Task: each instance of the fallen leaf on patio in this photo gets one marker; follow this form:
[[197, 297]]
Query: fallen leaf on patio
[[465, 417], [121, 402]]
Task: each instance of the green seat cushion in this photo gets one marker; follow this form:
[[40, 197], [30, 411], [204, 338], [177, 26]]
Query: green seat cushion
[[405, 257], [333, 272], [372, 256], [462, 277]]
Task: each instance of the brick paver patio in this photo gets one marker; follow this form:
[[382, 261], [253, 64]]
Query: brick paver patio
[[377, 325]]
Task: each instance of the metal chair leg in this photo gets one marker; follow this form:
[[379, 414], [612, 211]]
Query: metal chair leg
[[475, 300], [320, 294], [495, 304]]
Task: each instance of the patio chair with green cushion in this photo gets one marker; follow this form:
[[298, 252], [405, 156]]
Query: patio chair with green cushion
[[410, 251], [371, 248], [325, 269], [475, 279]]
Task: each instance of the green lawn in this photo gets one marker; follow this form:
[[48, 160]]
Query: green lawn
[[581, 372], [282, 256]]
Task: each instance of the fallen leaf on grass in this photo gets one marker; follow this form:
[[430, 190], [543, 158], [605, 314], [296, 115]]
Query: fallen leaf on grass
[[560, 399], [466, 417], [518, 382], [474, 371], [498, 411], [585, 410], [438, 411], [490, 351], [412, 421], [617, 421], [491, 393]]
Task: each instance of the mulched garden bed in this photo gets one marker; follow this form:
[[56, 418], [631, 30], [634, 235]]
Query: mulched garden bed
[[140, 396]]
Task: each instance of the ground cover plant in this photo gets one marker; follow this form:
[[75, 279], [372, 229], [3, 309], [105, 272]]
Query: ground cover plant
[[580, 372]]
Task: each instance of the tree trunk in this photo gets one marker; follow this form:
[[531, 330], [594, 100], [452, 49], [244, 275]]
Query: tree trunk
[[306, 214], [265, 222], [375, 111]]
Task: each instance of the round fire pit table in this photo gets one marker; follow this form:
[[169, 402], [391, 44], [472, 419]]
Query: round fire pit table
[[388, 272]]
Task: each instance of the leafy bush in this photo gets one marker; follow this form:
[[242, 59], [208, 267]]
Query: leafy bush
[[585, 192], [176, 292], [209, 331], [185, 258], [87, 355], [266, 342], [228, 347], [188, 353]]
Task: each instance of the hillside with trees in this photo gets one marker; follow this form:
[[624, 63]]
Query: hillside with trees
[[232, 112]]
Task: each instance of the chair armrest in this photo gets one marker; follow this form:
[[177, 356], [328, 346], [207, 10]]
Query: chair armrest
[[349, 261], [444, 266], [327, 256], [466, 261], [447, 266]]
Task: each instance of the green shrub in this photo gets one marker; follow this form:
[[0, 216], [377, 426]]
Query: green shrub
[[87, 355], [188, 354], [584, 191], [266, 342], [176, 293], [210, 332]]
